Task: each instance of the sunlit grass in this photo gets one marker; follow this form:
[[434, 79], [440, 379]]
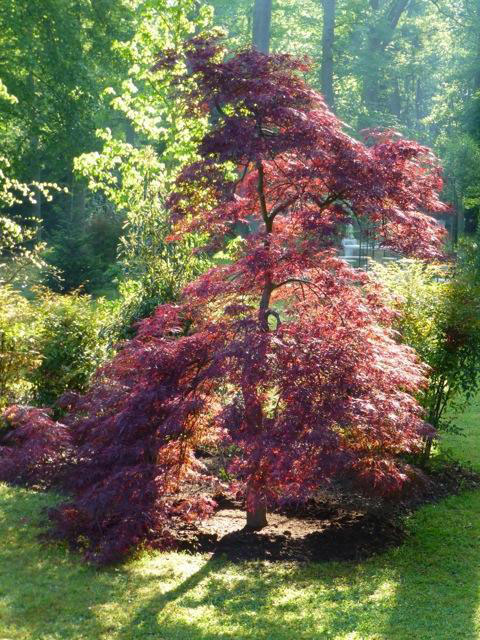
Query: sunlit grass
[[466, 446], [427, 589]]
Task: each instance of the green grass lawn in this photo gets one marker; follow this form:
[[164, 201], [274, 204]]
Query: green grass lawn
[[427, 589]]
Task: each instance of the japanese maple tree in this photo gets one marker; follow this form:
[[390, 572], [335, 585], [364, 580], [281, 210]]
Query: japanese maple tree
[[282, 360]]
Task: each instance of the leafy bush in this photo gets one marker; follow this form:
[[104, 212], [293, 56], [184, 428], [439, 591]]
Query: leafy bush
[[438, 314], [161, 280], [18, 349], [83, 247], [50, 344], [70, 344]]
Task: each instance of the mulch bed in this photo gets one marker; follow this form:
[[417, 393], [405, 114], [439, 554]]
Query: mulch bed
[[323, 529]]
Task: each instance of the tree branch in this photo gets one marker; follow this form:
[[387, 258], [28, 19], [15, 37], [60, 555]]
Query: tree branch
[[261, 195], [282, 206], [448, 14], [292, 281], [323, 204], [275, 314], [396, 11]]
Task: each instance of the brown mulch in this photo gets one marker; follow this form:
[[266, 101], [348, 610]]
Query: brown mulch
[[323, 529]]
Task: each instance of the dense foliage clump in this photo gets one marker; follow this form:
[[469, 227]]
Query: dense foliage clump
[[437, 313], [279, 369]]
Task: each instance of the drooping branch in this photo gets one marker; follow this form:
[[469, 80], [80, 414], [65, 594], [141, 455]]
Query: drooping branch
[[293, 281], [282, 206], [324, 204], [274, 314], [448, 14]]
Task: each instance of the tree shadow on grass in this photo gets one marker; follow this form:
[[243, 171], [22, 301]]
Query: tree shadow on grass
[[424, 590], [427, 589], [257, 600], [46, 591]]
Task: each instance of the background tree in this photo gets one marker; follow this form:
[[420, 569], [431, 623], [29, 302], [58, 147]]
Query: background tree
[[56, 58], [328, 38], [134, 173], [59, 96], [262, 19], [381, 29]]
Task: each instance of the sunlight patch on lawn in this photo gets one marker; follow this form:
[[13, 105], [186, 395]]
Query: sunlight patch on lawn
[[428, 588]]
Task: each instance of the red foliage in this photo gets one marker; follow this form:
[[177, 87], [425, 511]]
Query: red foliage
[[35, 450], [283, 361]]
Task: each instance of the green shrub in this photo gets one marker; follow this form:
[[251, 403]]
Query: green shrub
[[161, 274], [438, 314], [70, 344], [83, 248], [18, 350]]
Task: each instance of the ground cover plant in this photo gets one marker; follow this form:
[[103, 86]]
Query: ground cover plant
[[427, 588], [286, 400]]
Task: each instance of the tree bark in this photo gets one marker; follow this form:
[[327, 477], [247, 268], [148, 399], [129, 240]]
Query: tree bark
[[257, 513], [477, 74], [380, 36], [262, 23], [427, 450], [419, 102], [476, 79], [35, 146], [328, 40]]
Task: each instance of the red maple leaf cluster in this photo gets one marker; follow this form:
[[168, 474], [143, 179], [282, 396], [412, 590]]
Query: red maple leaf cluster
[[282, 364]]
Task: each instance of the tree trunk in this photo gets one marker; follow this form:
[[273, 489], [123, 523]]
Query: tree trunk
[[262, 22], [395, 99], [381, 33], [474, 124], [459, 217], [419, 102], [328, 40], [257, 514], [427, 450], [476, 79], [256, 503], [35, 148]]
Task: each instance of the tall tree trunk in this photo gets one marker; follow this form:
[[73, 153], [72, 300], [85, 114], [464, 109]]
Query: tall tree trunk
[[328, 40], [382, 30], [419, 102], [477, 74], [262, 23], [459, 219], [395, 100], [37, 206], [35, 147], [474, 124]]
